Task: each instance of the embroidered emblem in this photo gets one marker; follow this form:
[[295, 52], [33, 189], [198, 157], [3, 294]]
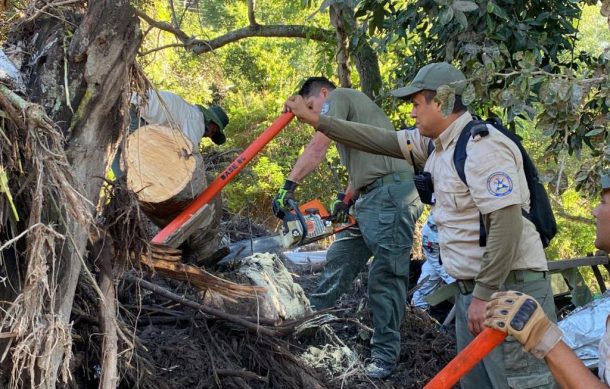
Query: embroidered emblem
[[325, 108], [499, 184]]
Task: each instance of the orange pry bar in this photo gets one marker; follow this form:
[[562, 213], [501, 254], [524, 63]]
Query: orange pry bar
[[466, 359], [222, 180]]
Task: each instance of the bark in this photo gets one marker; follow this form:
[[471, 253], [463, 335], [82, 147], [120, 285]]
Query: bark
[[107, 316], [367, 64], [337, 20], [80, 82]]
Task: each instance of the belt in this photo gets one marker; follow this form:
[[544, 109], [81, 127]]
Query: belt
[[391, 178], [516, 276], [467, 286]]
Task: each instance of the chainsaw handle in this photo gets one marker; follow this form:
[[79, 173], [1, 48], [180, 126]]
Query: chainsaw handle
[[293, 204], [467, 359]]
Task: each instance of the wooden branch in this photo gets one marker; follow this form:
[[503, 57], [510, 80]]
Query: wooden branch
[[107, 316], [251, 7], [255, 328], [560, 210], [269, 31], [199, 46], [164, 26], [161, 48]]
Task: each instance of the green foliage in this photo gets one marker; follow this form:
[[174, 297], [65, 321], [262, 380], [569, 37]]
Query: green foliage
[[521, 60], [573, 239]]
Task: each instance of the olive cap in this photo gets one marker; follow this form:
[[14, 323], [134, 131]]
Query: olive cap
[[431, 77]]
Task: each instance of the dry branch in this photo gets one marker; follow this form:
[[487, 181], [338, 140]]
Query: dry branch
[[255, 328]]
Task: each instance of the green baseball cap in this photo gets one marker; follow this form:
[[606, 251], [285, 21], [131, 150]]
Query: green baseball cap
[[219, 117], [431, 77], [605, 180]]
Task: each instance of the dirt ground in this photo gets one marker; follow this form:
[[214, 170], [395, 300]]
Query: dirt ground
[[179, 348], [167, 344]]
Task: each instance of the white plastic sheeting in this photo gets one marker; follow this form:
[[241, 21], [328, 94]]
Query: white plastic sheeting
[[306, 257], [584, 328], [9, 75]]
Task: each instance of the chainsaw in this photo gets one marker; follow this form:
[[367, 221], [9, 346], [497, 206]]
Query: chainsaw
[[301, 225]]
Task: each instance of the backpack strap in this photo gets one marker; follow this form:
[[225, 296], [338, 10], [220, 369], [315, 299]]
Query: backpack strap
[[430, 147], [475, 128]]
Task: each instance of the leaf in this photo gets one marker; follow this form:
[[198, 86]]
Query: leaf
[[450, 51], [576, 95], [446, 16], [445, 96], [595, 131], [469, 94], [461, 18], [498, 11], [472, 48], [465, 6]]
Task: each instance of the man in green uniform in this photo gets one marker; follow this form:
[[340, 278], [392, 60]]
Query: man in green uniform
[[386, 210], [497, 193]]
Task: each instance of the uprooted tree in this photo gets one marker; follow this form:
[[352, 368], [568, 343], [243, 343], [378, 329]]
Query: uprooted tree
[[62, 123]]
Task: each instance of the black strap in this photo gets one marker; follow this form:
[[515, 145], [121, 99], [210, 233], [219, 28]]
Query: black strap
[[430, 147], [472, 129]]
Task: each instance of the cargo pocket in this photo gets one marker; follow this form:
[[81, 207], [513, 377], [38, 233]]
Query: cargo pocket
[[515, 359], [385, 234], [538, 380], [523, 370]]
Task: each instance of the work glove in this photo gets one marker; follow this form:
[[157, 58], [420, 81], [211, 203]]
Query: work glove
[[520, 316], [340, 209], [280, 202]]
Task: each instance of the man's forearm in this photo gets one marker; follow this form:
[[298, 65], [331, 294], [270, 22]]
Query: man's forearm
[[361, 136], [504, 228], [569, 371], [311, 157]]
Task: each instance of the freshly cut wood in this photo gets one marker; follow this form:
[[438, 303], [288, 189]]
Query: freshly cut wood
[[166, 173], [162, 166]]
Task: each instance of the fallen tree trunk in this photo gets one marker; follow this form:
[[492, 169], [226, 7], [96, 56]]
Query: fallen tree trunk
[[166, 172]]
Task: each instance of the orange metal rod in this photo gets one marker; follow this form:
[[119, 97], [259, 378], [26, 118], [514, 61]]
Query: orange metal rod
[[224, 178], [467, 359]]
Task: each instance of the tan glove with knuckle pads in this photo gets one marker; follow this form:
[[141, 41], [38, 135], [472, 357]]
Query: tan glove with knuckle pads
[[520, 316]]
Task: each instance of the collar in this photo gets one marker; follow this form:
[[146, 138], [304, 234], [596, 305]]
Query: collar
[[451, 133]]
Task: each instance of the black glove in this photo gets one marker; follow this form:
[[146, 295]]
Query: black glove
[[340, 209], [280, 202]]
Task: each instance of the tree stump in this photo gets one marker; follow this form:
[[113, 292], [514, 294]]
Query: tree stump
[[167, 173]]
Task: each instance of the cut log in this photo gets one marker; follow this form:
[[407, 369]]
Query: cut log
[[162, 166], [167, 173]]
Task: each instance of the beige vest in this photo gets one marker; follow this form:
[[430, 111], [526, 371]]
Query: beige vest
[[494, 171]]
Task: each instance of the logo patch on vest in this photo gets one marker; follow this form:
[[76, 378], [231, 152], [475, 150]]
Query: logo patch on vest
[[499, 184], [325, 108]]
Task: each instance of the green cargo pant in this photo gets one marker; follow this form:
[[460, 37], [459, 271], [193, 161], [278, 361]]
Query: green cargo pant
[[345, 258], [386, 217], [507, 366]]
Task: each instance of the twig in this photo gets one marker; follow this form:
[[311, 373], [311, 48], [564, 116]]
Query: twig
[[241, 373], [10, 242], [49, 5], [205, 309], [162, 48]]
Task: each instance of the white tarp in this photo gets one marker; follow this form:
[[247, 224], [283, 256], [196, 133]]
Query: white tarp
[[306, 257], [584, 327], [9, 74]]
